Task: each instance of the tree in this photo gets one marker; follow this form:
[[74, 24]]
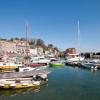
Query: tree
[[98, 53], [50, 46], [40, 43], [22, 39], [3, 39], [55, 48], [16, 38], [11, 39]]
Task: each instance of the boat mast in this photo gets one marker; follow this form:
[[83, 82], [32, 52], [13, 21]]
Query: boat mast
[[26, 33], [78, 38]]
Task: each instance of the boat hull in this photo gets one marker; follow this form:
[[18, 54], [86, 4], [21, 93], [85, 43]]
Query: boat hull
[[19, 86], [56, 64], [22, 83]]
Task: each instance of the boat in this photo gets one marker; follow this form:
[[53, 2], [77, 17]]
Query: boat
[[51, 57], [91, 64], [74, 59], [23, 74], [20, 83], [73, 55], [26, 78], [40, 60], [56, 64], [35, 65], [9, 65], [24, 69]]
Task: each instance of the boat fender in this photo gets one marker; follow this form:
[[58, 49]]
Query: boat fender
[[92, 67], [96, 67]]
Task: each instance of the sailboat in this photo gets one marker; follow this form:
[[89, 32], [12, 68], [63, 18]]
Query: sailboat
[[74, 58]]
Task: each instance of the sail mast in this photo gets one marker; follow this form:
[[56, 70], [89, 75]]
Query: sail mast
[[78, 37], [26, 33]]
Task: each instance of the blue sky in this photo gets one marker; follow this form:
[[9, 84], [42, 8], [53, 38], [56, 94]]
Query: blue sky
[[54, 21]]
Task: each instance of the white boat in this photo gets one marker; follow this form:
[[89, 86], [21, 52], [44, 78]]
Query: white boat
[[40, 59], [9, 65], [74, 59], [24, 69], [91, 64], [23, 74], [51, 57], [17, 83]]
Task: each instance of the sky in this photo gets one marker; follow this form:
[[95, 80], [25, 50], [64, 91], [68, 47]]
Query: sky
[[54, 21]]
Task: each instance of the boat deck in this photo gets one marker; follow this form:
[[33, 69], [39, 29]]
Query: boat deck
[[22, 74]]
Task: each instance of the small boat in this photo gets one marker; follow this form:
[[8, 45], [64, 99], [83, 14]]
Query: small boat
[[9, 65], [56, 64], [35, 65], [20, 83]]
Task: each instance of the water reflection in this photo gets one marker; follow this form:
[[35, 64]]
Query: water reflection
[[12, 92], [81, 68]]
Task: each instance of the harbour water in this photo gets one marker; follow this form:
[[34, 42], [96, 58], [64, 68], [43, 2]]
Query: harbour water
[[65, 83]]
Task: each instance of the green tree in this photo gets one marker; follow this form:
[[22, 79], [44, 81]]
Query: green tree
[[50, 46], [40, 43]]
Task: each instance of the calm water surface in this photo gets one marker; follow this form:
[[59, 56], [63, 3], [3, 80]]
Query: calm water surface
[[65, 83]]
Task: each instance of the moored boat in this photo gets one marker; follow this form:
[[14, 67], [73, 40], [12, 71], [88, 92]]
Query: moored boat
[[74, 59], [56, 64], [20, 83], [90, 64], [9, 65], [40, 60]]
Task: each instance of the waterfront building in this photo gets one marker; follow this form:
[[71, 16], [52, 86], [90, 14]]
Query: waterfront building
[[22, 47], [14, 47], [7, 47], [71, 51]]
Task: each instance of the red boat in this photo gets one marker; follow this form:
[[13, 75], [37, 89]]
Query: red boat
[[35, 65]]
